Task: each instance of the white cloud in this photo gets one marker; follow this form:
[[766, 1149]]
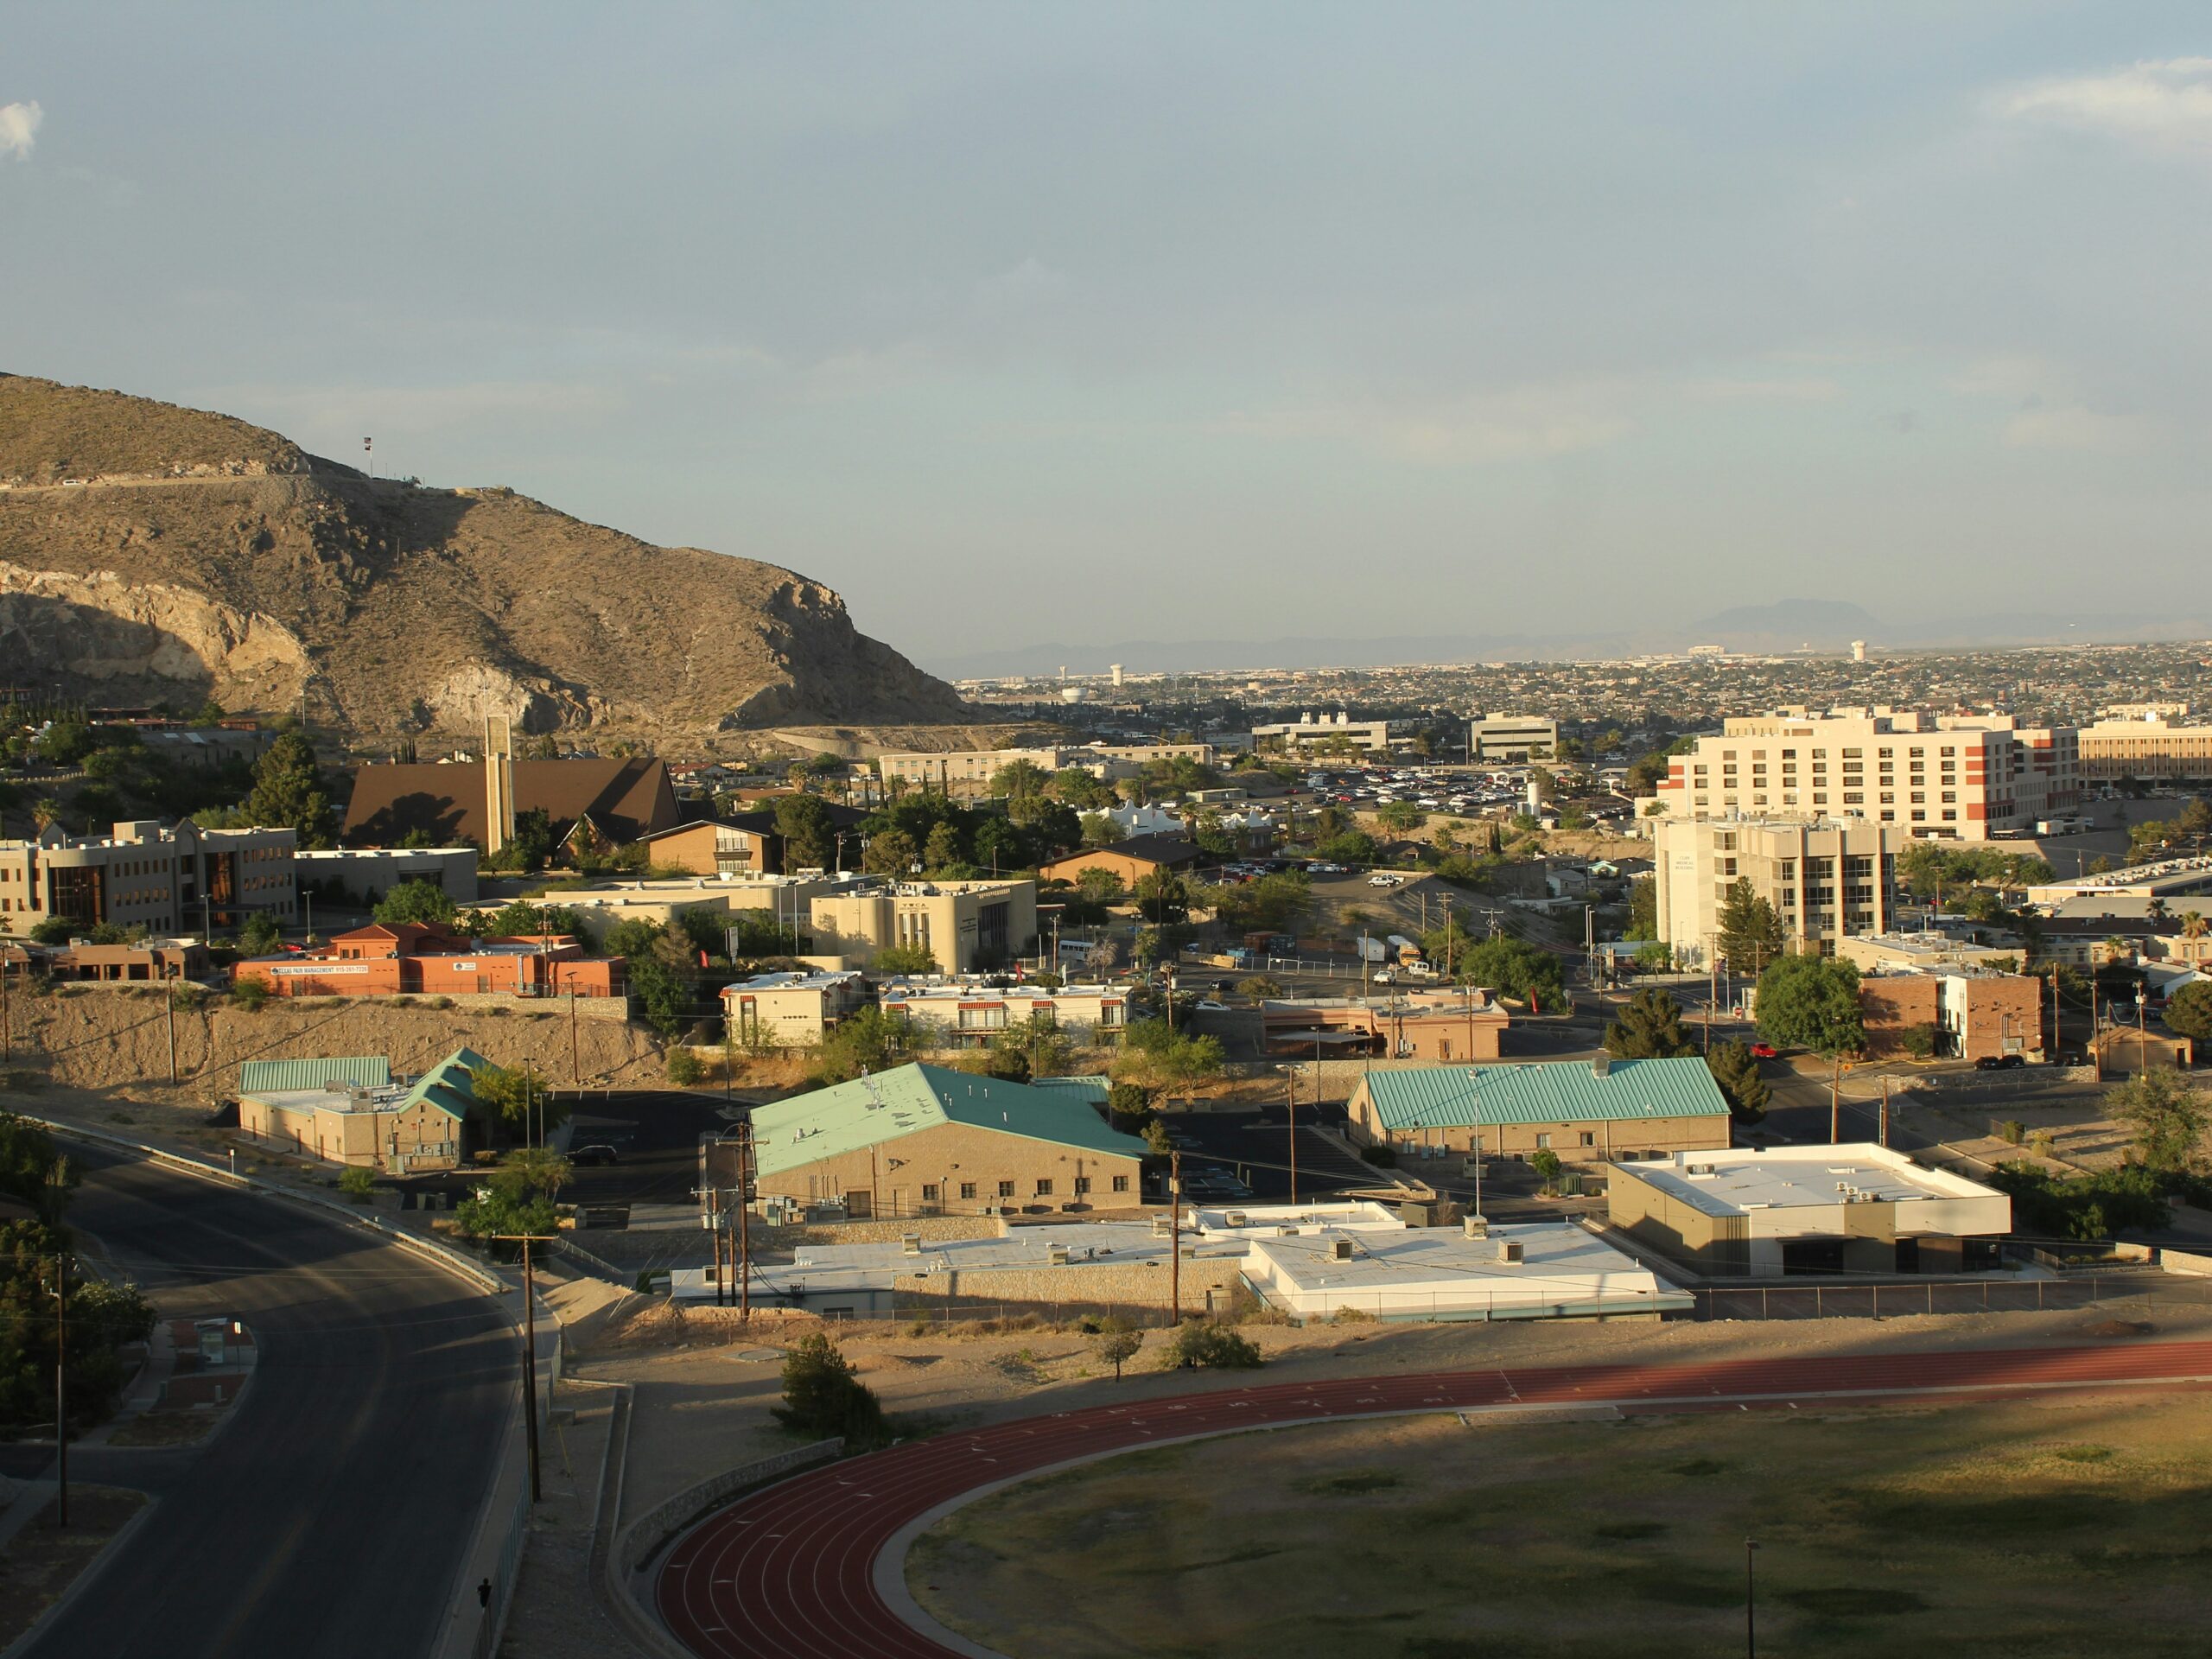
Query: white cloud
[[2164, 105], [18, 127], [1528, 423], [1789, 389], [2075, 426]]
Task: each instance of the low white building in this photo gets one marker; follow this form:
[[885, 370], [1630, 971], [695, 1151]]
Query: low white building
[[365, 874], [1857, 1208], [1540, 1270]]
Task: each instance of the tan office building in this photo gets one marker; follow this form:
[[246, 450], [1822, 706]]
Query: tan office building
[[965, 925], [968, 772], [167, 881], [2151, 749], [1826, 880], [1963, 778]]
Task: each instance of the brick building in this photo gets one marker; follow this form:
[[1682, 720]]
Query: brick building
[[351, 1110], [1131, 860], [1972, 1014], [1439, 1028], [422, 959]]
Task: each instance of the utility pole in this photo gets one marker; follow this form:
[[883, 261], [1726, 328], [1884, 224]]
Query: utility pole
[[171, 998], [1885, 1110], [2096, 1049], [61, 1392], [529, 1355], [744, 1220], [713, 1196], [1835, 1098], [1290, 1120], [1175, 1235], [575, 1066]]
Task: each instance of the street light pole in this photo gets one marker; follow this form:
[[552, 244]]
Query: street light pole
[[1750, 1601]]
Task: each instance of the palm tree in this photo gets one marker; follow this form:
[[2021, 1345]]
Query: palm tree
[[2157, 909], [45, 813], [2193, 926]]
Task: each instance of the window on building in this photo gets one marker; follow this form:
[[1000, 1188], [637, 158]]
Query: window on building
[[1120, 1183], [1543, 1140], [1589, 1137], [1006, 1189], [931, 1192], [967, 1189], [1045, 1188], [1081, 1186]]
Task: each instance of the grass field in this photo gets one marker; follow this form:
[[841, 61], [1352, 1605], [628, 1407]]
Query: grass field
[[2063, 1525]]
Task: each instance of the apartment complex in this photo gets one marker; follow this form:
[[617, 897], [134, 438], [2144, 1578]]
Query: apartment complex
[[1510, 738], [2150, 748], [1826, 879], [973, 1014], [143, 876], [1956, 777], [965, 925]]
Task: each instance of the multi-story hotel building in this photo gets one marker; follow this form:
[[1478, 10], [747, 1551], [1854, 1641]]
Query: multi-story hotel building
[[1954, 778]]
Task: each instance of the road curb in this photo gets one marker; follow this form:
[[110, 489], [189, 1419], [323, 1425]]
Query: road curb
[[93, 1568]]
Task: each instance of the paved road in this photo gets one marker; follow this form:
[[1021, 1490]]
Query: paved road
[[328, 1518], [793, 1570]]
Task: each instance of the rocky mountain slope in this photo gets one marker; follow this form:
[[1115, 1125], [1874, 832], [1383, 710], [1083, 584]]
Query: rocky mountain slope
[[152, 553]]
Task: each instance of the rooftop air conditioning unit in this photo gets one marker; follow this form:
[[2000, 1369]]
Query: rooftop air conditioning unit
[[1057, 1256], [1509, 1252], [1340, 1249], [910, 1242], [1476, 1226], [1235, 1219], [1161, 1226]]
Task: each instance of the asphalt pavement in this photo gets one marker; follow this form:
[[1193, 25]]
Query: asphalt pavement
[[326, 1518]]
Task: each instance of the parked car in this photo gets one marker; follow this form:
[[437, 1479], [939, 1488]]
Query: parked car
[[1207, 1005], [1763, 1050], [589, 1157], [1382, 880], [2000, 1062]]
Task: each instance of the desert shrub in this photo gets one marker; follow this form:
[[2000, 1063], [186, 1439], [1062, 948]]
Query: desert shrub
[[683, 1068], [823, 1397], [357, 1182], [250, 994], [1204, 1346]]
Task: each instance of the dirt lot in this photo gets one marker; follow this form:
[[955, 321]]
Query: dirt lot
[[2026, 1528], [39, 1564]]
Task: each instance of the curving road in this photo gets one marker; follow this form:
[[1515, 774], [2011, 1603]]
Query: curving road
[[793, 1570], [327, 1517]]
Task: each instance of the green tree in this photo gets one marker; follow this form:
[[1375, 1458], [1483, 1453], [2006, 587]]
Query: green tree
[[1157, 1141], [516, 1097], [415, 900], [685, 1069], [809, 837], [1099, 885], [1736, 1073], [1160, 1059], [1099, 831], [906, 959], [1643, 908], [260, 937], [2189, 1012], [1117, 1344], [1019, 779], [1043, 1048], [664, 990], [870, 1040], [1163, 897], [1544, 1164], [1402, 817], [1515, 968], [289, 791], [1649, 1027], [1811, 1002], [2166, 1116], [358, 1182], [1350, 846], [889, 853], [943, 851], [822, 1395], [1750, 933], [32, 1172], [1656, 958], [1918, 1040]]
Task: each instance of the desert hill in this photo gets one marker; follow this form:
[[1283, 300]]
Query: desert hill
[[149, 553]]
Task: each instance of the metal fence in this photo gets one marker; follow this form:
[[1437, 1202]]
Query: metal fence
[[1897, 1299]]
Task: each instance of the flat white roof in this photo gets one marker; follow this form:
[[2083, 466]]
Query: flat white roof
[[1256, 1220], [1441, 1271], [1730, 1181]]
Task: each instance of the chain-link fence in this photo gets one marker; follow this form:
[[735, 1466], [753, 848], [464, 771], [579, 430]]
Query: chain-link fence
[[1894, 1299]]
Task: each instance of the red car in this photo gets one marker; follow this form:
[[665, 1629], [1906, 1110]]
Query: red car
[[1763, 1051]]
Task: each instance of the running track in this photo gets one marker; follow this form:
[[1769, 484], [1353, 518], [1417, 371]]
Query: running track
[[789, 1571]]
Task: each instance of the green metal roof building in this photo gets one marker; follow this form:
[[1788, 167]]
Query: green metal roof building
[[921, 1140], [1584, 1110], [355, 1070]]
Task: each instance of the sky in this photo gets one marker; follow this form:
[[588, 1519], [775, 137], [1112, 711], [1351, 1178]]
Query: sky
[[1088, 322]]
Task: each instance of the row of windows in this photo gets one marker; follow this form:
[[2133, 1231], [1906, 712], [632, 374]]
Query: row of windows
[[934, 1193], [1916, 752]]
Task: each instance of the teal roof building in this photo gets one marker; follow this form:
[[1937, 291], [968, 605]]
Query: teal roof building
[[1589, 1108], [908, 1140]]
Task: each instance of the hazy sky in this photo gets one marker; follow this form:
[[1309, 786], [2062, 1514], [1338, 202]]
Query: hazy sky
[[1109, 320]]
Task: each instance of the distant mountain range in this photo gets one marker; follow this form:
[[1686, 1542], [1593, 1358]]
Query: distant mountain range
[[1822, 624]]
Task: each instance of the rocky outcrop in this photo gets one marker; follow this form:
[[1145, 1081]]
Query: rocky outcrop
[[153, 553]]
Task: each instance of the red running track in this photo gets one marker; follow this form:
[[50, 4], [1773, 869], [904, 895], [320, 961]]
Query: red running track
[[789, 1571]]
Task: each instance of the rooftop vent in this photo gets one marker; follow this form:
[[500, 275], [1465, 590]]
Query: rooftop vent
[[1601, 1065], [1057, 1255], [1476, 1226], [910, 1242], [1509, 1252], [1236, 1218], [1340, 1249]]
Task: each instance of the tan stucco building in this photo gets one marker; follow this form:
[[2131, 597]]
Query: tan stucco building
[[2153, 749], [965, 925], [1826, 879], [142, 875]]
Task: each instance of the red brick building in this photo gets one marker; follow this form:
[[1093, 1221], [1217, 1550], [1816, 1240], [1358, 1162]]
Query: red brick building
[[417, 959], [1972, 1014]]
